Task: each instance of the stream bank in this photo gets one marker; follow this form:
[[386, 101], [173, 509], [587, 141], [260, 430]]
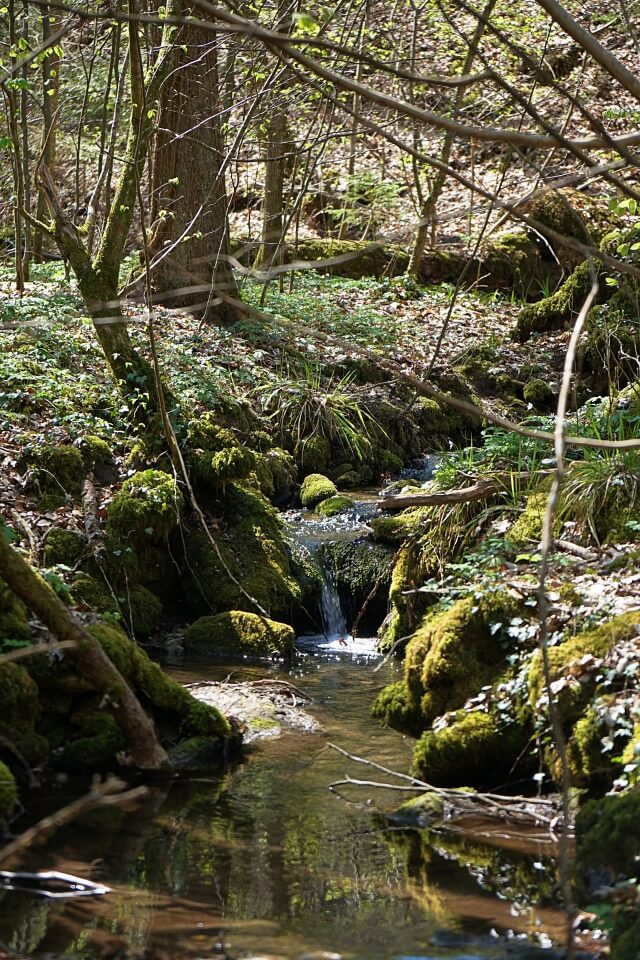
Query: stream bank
[[265, 860]]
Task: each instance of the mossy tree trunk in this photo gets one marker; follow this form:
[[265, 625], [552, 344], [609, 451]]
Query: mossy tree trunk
[[275, 164], [98, 277], [189, 213], [90, 660]]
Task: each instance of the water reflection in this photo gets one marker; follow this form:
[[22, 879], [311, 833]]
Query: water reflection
[[268, 861]]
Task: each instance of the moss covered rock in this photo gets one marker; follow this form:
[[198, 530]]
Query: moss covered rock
[[98, 459], [239, 632], [276, 472], [215, 454], [396, 708], [456, 652], [146, 510], [559, 309], [143, 609], [8, 794], [473, 749], [14, 623], [98, 742], [59, 470], [335, 505], [527, 530], [539, 394], [255, 560], [316, 488], [64, 546], [94, 593], [361, 571]]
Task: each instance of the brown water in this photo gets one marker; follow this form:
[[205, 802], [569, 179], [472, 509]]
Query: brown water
[[266, 861]]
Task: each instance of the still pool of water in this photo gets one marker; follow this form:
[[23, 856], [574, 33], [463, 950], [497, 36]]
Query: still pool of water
[[266, 861]]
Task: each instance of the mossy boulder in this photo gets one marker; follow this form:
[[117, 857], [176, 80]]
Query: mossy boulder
[[539, 394], [473, 749], [395, 528], [240, 633], [437, 419], [215, 455], [94, 593], [394, 707], [559, 309], [98, 459], [143, 610], [63, 546], [58, 469], [19, 698], [526, 532], [98, 742], [276, 471], [349, 480], [335, 505], [14, 622], [457, 651], [146, 510], [316, 488], [8, 794], [253, 559]]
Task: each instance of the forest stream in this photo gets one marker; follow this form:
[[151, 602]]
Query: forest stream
[[265, 861]]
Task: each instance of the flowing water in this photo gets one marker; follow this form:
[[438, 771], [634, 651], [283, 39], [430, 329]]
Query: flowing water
[[266, 861]]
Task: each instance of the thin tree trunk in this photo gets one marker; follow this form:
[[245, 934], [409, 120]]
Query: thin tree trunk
[[50, 96], [90, 660]]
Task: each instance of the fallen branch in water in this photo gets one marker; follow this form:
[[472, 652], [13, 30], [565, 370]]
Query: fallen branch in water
[[460, 801], [481, 490], [110, 792]]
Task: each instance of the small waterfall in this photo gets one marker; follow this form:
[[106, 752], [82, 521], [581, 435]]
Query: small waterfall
[[333, 622]]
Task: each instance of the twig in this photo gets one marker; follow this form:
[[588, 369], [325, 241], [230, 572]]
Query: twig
[[35, 649], [111, 792]]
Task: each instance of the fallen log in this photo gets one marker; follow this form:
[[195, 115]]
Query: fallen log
[[481, 490]]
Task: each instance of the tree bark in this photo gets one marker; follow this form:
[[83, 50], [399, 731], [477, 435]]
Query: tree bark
[[189, 213], [90, 660]]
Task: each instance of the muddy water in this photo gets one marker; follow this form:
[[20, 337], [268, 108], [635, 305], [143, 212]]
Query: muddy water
[[266, 861]]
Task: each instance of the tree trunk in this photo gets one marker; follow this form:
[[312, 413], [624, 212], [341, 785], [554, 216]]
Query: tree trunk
[[275, 165], [50, 96], [189, 213], [91, 662]]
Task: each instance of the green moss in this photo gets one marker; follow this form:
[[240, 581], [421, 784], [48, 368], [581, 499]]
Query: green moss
[[597, 642], [440, 420], [99, 742], [555, 311], [395, 708], [276, 471], [387, 461], [64, 546], [472, 750], [456, 652], [59, 470], [354, 259], [314, 454], [8, 793], [539, 394], [146, 510], [527, 530], [587, 761], [96, 454], [394, 529], [608, 834], [215, 454], [349, 480], [240, 632], [94, 593], [335, 505], [253, 549], [316, 488], [19, 698], [14, 622], [156, 689], [143, 609], [260, 441]]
